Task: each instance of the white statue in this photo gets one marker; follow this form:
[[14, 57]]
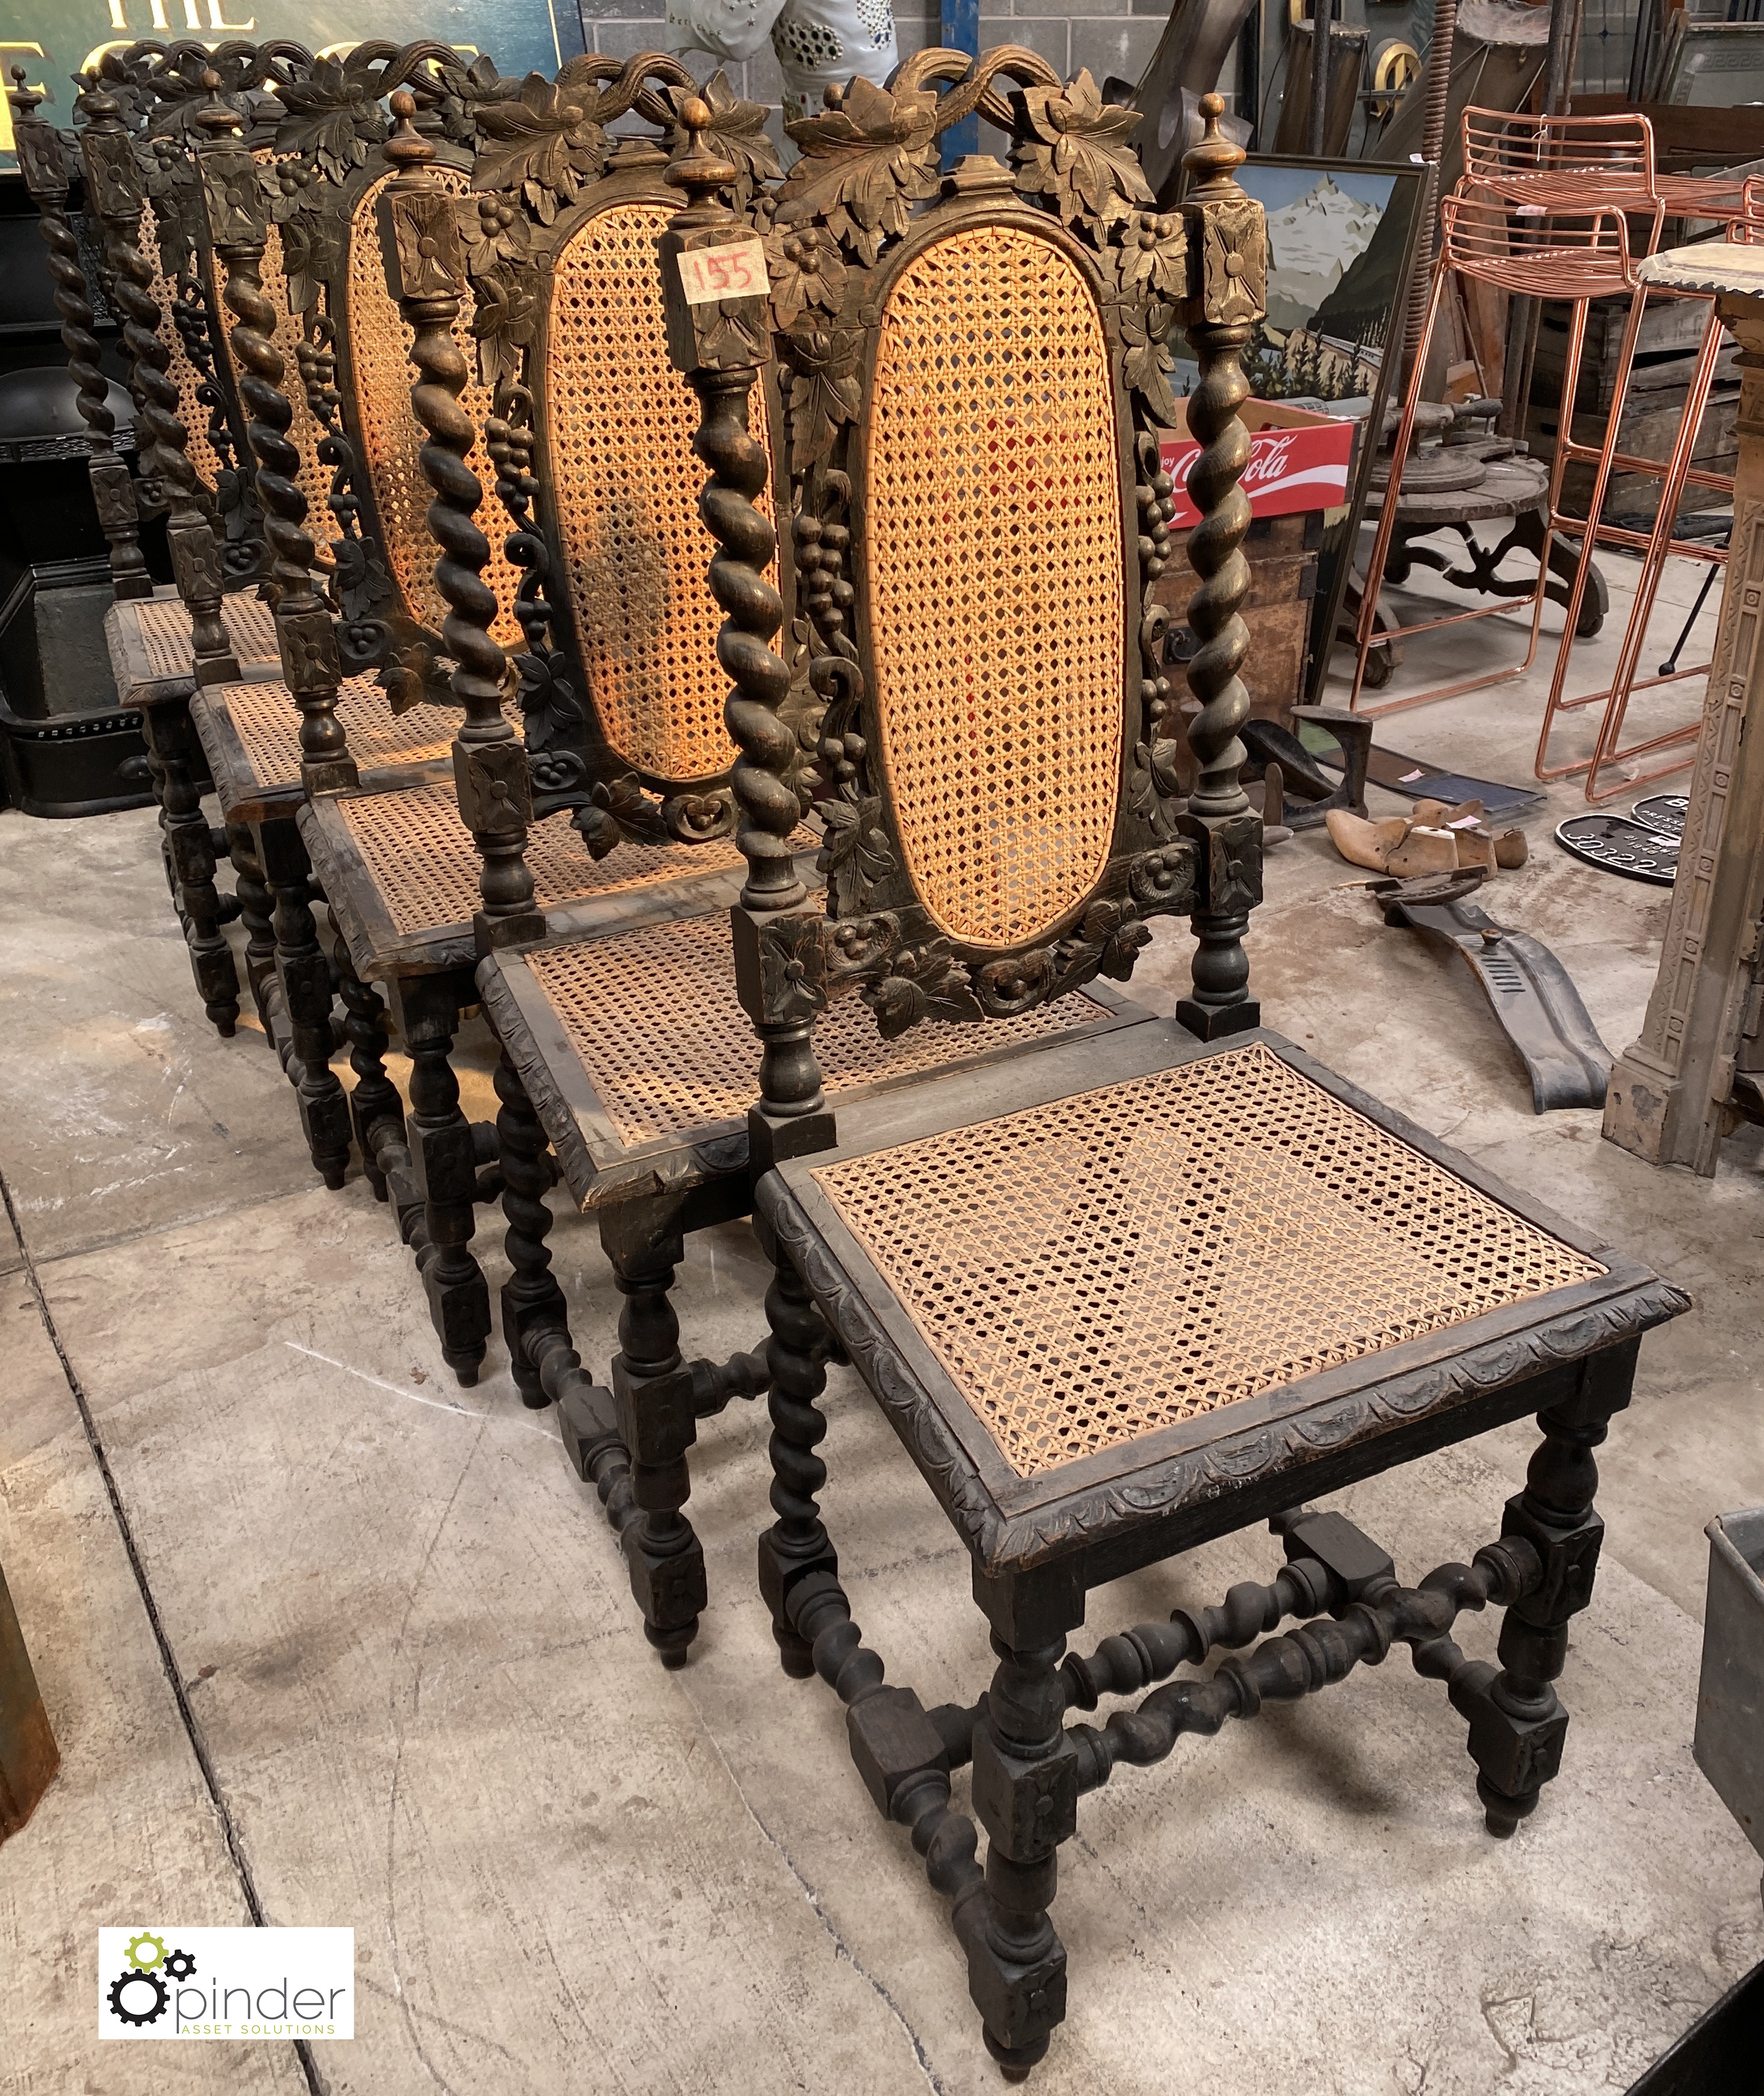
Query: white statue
[[819, 43]]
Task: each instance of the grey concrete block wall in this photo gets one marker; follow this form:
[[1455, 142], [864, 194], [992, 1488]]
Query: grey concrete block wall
[[1109, 36]]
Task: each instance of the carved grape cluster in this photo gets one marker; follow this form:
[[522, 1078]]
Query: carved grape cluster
[[821, 547], [1157, 506]]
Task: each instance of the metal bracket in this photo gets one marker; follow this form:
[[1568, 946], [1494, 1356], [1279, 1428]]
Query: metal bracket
[[1308, 792], [1532, 994]]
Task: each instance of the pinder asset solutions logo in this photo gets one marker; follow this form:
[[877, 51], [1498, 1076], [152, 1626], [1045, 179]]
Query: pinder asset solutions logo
[[226, 1983]]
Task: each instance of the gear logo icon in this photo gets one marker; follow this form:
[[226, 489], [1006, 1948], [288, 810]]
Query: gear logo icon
[[139, 1994], [133, 1953], [148, 1990]]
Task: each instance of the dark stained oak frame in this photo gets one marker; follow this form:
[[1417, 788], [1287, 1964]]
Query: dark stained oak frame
[[1038, 1545], [429, 974]]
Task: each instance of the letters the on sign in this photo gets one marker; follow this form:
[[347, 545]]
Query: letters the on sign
[[736, 270]]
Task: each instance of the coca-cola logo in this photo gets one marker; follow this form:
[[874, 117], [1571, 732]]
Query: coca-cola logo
[[1269, 456], [1288, 469]]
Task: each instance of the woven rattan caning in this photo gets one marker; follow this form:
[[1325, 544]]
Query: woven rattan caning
[[1091, 1269], [163, 624], [191, 411], [391, 436], [621, 1000], [421, 859], [266, 722], [994, 575], [619, 426], [302, 431]]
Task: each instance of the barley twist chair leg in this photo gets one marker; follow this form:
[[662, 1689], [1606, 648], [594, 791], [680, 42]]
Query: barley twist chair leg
[[444, 1161], [796, 1543], [375, 1101], [1026, 1798], [657, 1423], [1517, 1723], [304, 977], [254, 909], [530, 1297], [171, 738]]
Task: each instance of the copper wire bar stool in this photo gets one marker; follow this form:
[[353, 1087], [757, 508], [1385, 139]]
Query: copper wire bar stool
[[1514, 244], [1742, 209], [1580, 169]]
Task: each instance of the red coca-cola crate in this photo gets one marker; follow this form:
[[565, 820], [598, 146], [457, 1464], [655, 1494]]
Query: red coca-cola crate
[[1299, 459]]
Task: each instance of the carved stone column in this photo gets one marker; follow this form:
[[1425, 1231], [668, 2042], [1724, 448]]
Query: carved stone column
[[1698, 1067]]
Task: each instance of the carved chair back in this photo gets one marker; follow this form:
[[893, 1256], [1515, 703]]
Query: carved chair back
[[322, 204], [49, 162], [978, 379], [592, 435], [329, 177], [158, 89]]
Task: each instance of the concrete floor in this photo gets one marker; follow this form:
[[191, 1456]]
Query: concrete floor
[[328, 1640]]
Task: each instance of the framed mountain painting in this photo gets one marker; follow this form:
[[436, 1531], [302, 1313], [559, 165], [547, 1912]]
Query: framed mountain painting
[[1342, 237]]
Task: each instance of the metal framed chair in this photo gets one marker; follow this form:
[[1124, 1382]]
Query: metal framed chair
[[1120, 1297], [1562, 208], [1503, 227]]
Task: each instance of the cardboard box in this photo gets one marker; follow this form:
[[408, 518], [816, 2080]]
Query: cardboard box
[[1299, 459]]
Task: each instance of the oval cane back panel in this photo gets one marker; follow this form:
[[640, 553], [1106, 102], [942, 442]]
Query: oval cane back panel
[[163, 623], [620, 1001], [391, 437], [304, 433], [421, 859], [192, 411], [994, 578], [1091, 1269], [618, 430]]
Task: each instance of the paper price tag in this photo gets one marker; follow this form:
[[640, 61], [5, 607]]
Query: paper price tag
[[736, 270]]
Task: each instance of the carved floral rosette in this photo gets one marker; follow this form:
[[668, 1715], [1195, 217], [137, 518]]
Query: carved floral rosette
[[548, 163], [868, 181]]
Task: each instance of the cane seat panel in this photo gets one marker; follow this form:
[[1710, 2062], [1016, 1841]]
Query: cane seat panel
[[391, 436], [421, 859], [267, 721], [192, 410], [994, 579], [164, 624], [620, 1001], [617, 434], [1092, 1269]]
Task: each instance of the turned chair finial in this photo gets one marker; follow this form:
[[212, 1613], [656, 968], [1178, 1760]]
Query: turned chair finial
[[217, 118], [703, 174], [1211, 165], [407, 149]]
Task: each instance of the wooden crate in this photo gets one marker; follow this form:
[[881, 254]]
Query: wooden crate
[[1649, 428], [1282, 554], [1671, 330]]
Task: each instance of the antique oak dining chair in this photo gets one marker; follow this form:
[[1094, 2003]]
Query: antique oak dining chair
[[622, 1046], [564, 220], [1116, 1299], [360, 699], [169, 365]]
